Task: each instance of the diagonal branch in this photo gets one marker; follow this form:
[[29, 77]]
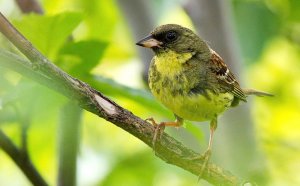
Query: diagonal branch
[[168, 149], [22, 160]]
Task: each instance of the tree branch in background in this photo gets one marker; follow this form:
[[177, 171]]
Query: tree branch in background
[[68, 132], [28, 6], [68, 143], [24, 121], [168, 149], [138, 15], [213, 22], [20, 155], [22, 160]]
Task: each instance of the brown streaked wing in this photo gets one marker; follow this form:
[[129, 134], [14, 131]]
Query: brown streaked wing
[[225, 76]]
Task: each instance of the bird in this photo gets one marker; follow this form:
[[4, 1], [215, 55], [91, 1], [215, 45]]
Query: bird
[[189, 78]]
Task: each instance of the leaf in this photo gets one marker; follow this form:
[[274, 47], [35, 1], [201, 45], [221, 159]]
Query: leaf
[[82, 56], [254, 29], [5, 84], [294, 14], [124, 169], [100, 18], [48, 33]]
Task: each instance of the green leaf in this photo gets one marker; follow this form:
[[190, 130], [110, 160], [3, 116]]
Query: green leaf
[[294, 14], [101, 18], [81, 57], [254, 29], [124, 169], [5, 84], [48, 33]]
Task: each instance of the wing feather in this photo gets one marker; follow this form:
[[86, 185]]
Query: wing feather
[[225, 76]]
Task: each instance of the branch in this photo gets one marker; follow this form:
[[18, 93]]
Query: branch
[[68, 143], [137, 13], [168, 149], [22, 160], [28, 6], [20, 155], [68, 132]]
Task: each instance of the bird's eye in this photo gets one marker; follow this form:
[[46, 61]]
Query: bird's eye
[[171, 36]]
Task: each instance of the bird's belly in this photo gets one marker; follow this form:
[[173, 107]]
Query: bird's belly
[[195, 107]]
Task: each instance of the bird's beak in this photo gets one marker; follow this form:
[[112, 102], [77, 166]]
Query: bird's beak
[[149, 42]]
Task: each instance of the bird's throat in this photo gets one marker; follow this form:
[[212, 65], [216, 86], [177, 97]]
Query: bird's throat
[[169, 63]]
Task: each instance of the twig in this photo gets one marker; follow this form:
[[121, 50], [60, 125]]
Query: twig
[[137, 13], [21, 155], [21, 160], [24, 124], [168, 149], [28, 6], [68, 132]]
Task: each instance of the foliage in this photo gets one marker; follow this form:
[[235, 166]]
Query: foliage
[[91, 41]]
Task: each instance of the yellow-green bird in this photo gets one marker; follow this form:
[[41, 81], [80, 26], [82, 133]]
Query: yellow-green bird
[[190, 78]]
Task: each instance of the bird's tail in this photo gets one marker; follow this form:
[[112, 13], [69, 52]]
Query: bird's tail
[[256, 93]]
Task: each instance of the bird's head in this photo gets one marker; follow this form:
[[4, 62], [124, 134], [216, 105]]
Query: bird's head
[[173, 37]]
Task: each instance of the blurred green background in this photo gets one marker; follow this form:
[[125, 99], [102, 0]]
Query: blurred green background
[[94, 40]]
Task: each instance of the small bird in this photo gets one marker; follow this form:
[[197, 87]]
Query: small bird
[[190, 79]]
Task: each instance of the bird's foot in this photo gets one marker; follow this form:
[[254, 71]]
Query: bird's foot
[[152, 121], [205, 160], [206, 156], [158, 131]]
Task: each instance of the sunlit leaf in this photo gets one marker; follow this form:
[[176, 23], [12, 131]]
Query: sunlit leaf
[[48, 33], [255, 24], [133, 171], [81, 57], [100, 18], [278, 71]]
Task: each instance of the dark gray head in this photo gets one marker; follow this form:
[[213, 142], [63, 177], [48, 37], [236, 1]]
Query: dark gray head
[[175, 38]]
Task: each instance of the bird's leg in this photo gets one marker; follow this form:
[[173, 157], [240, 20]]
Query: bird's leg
[[207, 154], [159, 128]]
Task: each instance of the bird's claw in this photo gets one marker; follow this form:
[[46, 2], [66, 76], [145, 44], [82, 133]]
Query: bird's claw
[[152, 121], [158, 130], [205, 157]]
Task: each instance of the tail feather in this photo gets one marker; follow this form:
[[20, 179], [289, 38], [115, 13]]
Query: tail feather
[[256, 93]]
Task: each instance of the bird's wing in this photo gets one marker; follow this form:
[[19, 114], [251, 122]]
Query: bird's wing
[[225, 76]]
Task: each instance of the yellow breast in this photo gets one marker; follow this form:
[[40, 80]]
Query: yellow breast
[[169, 63], [170, 85]]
